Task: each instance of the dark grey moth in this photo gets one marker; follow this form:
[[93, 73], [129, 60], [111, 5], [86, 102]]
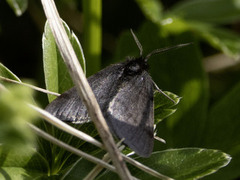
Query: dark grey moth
[[124, 92]]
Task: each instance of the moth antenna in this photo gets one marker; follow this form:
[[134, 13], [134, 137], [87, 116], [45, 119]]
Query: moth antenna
[[163, 92], [157, 51], [137, 42]]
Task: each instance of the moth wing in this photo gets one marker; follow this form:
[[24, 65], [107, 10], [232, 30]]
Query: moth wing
[[127, 106], [130, 114], [69, 107]]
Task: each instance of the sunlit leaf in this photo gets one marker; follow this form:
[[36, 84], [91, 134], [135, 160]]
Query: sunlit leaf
[[214, 11], [5, 72], [164, 106], [18, 6], [15, 114], [152, 9], [180, 164], [57, 78], [226, 41], [23, 163]]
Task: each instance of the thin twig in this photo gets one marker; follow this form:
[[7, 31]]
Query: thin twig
[[83, 87], [97, 169], [70, 148], [65, 127], [145, 168], [29, 85]]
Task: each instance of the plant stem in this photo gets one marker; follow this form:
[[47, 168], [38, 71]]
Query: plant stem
[[92, 10]]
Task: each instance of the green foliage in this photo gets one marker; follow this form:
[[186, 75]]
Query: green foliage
[[15, 114], [57, 78], [215, 11], [182, 164], [14, 130], [207, 23], [5, 72], [18, 6], [152, 9], [190, 16], [194, 122], [187, 163], [221, 131], [21, 163], [163, 106], [79, 170], [92, 34]]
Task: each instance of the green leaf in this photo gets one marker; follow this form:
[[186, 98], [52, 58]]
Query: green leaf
[[5, 72], [79, 170], [50, 61], [174, 25], [18, 6], [214, 11], [185, 76], [186, 163], [57, 78], [76, 46], [152, 9], [15, 114], [180, 164], [163, 106], [23, 163], [62, 161], [189, 16], [222, 131], [226, 41], [222, 39], [13, 173]]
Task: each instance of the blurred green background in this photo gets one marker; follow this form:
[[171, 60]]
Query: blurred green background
[[205, 74]]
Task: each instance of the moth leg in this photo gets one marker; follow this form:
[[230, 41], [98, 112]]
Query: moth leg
[[158, 89]]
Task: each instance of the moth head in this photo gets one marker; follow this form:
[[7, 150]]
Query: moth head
[[135, 66]]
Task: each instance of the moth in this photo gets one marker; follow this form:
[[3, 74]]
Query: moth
[[124, 92]]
